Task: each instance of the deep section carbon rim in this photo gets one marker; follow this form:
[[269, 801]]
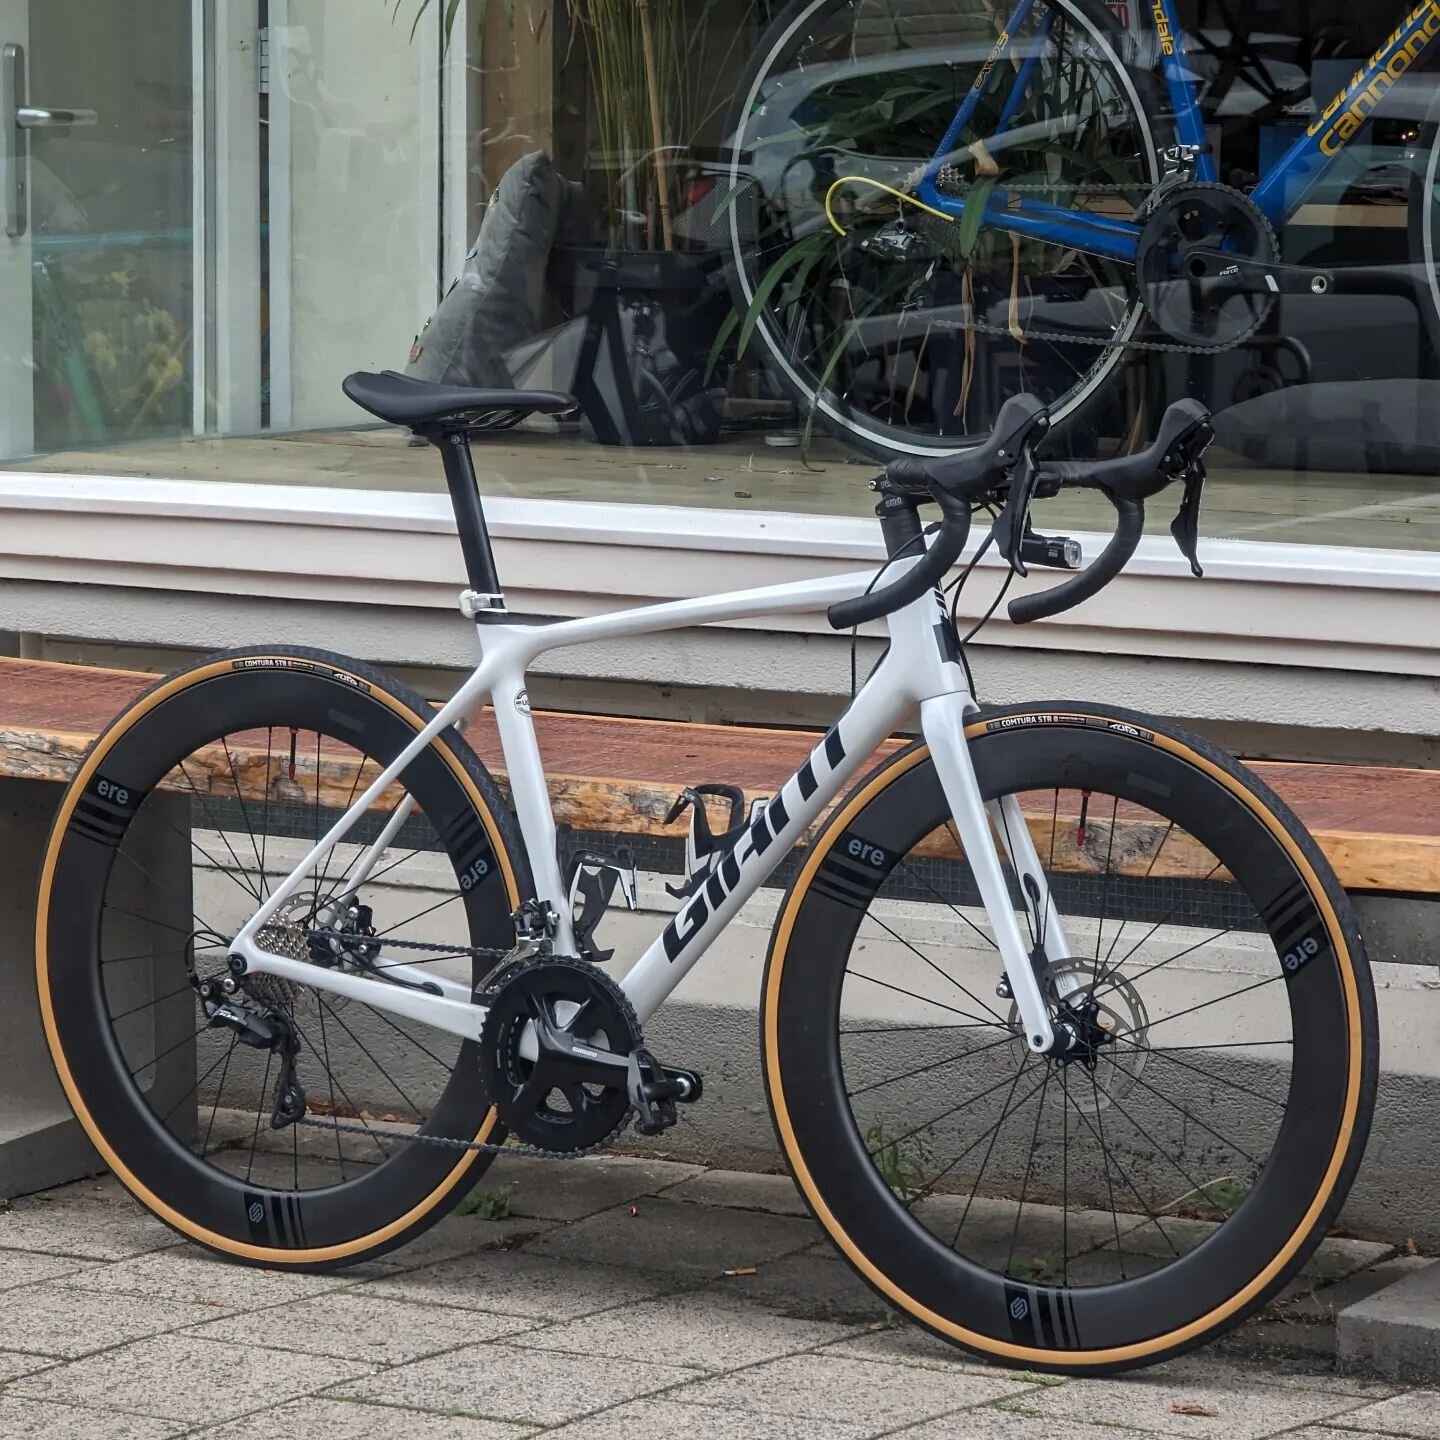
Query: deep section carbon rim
[[191, 810], [1101, 1203]]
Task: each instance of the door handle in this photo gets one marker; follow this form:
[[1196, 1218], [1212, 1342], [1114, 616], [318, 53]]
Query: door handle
[[29, 117], [17, 118]]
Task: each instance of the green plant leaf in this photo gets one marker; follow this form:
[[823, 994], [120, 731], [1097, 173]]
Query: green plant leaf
[[722, 337], [768, 286], [974, 216]]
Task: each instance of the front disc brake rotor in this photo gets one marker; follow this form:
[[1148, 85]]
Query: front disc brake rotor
[[1111, 1022]]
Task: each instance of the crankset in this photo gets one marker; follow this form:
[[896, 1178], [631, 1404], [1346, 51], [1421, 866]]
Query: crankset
[[562, 1057]]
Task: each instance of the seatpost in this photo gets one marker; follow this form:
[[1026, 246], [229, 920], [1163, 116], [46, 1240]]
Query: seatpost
[[484, 602]]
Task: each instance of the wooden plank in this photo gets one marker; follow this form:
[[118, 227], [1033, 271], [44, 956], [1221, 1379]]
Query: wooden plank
[[1380, 827]]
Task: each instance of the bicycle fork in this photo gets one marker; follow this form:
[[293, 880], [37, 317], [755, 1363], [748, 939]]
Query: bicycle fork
[[980, 828]]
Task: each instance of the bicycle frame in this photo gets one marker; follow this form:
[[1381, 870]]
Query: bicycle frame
[[1280, 193], [918, 670]]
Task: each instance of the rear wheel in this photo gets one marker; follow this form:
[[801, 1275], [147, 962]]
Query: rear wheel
[[187, 812], [1152, 1186]]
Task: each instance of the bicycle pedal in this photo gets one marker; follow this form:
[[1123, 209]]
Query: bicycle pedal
[[655, 1091]]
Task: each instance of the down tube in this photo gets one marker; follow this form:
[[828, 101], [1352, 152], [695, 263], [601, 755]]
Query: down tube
[[852, 741]]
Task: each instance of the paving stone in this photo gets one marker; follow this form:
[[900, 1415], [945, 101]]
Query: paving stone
[[53, 1320], [1395, 1332], [812, 1285], [512, 1282], [1244, 1409], [458, 1235], [178, 1377], [71, 1225], [736, 1190], [898, 1343], [37, 1420], [1326, 1432], [571, 1190], [1336, 1258], [190, 1273], [669, 1235], [501, 1383], [1289, 1372], [320, 1419], [1009, 1422], [704, 1329], [701, 1422], [1417, 1413], [822, 1387], [28, 1267], [13, 1364], [359, 1325]]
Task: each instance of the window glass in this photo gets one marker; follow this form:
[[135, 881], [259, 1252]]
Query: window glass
[[762, 244]]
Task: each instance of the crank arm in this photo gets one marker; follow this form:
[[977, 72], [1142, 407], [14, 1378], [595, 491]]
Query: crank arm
[[1243, 276]]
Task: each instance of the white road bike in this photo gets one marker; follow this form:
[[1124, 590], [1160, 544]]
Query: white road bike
[[1067, 1029]]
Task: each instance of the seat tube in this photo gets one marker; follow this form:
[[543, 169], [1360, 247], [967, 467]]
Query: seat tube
[[943, 722]]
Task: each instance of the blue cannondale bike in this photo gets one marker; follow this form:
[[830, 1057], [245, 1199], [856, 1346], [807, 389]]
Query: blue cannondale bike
[[934, 204]]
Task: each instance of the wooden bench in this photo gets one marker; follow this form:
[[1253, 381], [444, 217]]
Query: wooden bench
[[1379, 827]]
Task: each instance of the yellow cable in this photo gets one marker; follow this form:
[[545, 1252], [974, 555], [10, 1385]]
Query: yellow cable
[[877, 185]]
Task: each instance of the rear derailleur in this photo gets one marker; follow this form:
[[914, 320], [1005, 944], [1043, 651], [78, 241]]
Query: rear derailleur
[[228, 1007]]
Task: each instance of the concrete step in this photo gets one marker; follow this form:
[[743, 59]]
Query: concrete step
[[1395, 1332]]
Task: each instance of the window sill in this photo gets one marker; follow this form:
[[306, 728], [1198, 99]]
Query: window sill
[[1280, 604]]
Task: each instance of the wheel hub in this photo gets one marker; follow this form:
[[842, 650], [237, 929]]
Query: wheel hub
[[1101, 1023]]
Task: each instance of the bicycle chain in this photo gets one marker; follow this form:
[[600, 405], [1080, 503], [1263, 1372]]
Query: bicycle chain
[[339, 1127]]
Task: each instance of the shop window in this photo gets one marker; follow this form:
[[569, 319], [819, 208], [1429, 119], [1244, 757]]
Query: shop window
[[759, 242]]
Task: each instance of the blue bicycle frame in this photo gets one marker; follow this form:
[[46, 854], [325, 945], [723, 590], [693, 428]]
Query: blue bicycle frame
[[1279, 194]]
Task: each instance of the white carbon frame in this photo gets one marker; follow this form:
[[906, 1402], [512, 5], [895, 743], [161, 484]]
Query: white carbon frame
[[916, 672]]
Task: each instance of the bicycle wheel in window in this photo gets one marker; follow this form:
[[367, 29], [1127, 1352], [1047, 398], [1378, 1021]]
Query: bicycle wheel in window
[[1145, 1190], [909, 341], [187, 811]]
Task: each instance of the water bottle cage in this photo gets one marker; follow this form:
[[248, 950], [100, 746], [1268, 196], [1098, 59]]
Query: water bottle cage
[[591, 879], [704, 849]]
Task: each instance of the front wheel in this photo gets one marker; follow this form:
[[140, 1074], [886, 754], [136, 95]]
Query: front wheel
[[1141, 1193]]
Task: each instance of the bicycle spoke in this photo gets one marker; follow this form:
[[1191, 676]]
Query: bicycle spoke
[[219, 1096], [245, 815], [1208, 1075], [993, 1134], [259, 1111], [945, 975], [1029, 1164], [927, 1069], [1194, 1119], [1204, 1005], [899, 990], [365, 1050]]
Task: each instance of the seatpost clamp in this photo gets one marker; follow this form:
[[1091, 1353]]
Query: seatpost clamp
[[473, 605]]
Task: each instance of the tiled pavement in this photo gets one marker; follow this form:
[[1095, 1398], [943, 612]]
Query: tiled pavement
[[600, 1308]]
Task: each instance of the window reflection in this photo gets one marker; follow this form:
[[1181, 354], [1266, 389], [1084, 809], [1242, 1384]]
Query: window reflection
[[758, 242]]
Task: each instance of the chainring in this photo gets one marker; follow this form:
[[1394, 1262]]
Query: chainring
[[580, 998], [1204, 314]]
